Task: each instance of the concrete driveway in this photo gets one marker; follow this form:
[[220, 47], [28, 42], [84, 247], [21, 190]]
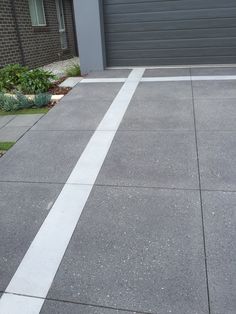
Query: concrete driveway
[[122, 198]]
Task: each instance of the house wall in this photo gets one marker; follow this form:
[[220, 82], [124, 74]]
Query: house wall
[[9, 47], [41, 45]]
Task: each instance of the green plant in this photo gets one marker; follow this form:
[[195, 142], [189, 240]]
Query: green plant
[[4, 146], [10, 76], [36, 81], [8, 103], [23, 101], [42, 99], [73, 70]]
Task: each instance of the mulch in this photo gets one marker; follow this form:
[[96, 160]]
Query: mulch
[[57, 90]]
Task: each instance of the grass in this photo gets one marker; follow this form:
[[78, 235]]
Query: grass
[[24, 111], [73, 70], [4, 146]]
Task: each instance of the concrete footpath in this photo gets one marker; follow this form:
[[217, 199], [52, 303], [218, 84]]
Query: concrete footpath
[[122, 198]]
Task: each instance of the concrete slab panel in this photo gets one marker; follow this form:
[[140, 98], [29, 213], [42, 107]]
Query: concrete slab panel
[[43, 156], [24, 120], [12, 134], [156, 159], [163, 90], [215, 114], [71, 81], [136, 249], [217, 151], [74, 115], [5, 119], [167, 72], [23, 208], [55, 307], [214, 71], [214, 89], [159, 114], [94, 91], [220, 221]]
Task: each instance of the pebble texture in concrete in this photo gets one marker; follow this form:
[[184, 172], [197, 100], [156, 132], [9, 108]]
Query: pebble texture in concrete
[[157, 233]]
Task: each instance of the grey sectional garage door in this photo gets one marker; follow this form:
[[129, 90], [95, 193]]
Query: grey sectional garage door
[[167, 32]]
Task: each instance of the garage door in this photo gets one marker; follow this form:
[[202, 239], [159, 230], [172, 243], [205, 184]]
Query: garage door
[[170, 32]]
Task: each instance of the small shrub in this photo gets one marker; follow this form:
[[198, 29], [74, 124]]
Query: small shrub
[[73, 70], [42, 99], [10, 76], [36, 81], [8, 103], [23, 101]]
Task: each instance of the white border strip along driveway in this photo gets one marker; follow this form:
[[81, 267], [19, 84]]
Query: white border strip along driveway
[[164, 79], [30, 284]]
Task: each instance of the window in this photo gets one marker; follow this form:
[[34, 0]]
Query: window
[[61, 22], [37, 12]]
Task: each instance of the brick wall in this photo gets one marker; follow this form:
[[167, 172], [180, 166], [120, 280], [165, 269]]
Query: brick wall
[[9, 48], [41, 45]]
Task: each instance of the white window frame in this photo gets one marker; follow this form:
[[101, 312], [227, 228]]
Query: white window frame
[[61, 30], [36, 14]]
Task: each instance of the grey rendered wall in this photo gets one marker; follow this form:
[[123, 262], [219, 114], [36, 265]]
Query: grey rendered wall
[[89, 29], [156, 32]]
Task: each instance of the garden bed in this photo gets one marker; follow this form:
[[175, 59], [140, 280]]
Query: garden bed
[[25, 91]]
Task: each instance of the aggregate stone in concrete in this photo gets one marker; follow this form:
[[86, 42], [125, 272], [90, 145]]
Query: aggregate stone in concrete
[[23, 209], [217, 151], [163, 90], [213, 71], [136, 249], [71, 81], [109, 74], [220, 232], [12, 134], [25, 120], [5, 119], [94, 91], [215, 114], [214, 89], [42, 156], [166, 72], [159, 114], [74, 115], [158, 159], [55, 307]]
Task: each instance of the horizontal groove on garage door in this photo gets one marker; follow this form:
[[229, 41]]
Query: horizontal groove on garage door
[[170, 32]]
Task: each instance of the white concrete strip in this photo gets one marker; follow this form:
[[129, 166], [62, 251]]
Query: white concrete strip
[[38, 267], [104, 80], [166, 79], [90, 162], [36, 272], [189, 78], [20, 304], [214, 78]]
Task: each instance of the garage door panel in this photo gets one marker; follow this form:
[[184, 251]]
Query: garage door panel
[[154, 6], [162, 53], [168, 25], [172, 61], [170, 32], [189, 43], [175, 15]]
